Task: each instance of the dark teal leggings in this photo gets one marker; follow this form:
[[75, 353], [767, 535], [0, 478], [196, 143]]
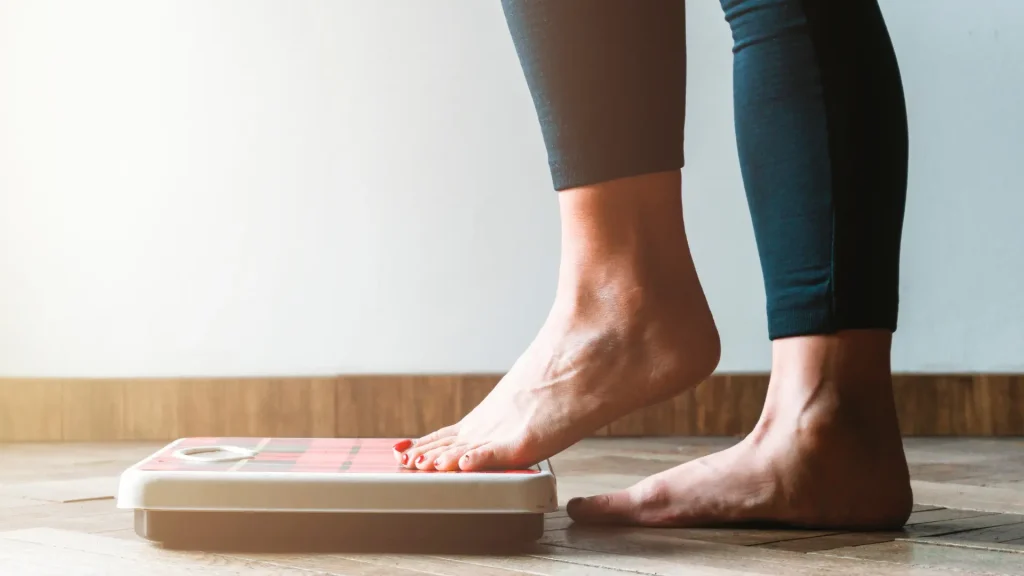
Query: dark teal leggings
[[821, 129]]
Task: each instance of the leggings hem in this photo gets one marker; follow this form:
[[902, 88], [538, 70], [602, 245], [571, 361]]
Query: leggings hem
[[794, 323], [570, 175]]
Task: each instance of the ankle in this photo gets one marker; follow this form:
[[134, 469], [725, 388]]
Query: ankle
[[625, 240], [631, 227], [850, 366], [831, 382], [843, 356], [626, 266]]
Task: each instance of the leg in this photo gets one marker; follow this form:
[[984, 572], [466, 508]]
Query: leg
[[630, 325], [821, 129]]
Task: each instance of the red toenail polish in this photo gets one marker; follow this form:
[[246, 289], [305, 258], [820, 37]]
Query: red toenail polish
[[403, 445], [420, 459], [405, 458]]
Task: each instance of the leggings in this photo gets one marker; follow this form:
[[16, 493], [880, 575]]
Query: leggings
[[821, 130]]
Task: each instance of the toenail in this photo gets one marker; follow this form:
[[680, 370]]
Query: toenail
[[420, 459], [405, 458], [403, 445]]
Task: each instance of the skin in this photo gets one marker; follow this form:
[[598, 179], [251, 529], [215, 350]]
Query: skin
[[631, 327], [826, 452]]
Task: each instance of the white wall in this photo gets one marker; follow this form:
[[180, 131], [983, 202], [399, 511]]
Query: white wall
[[255, 187]]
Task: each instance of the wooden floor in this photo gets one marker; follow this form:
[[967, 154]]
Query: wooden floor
[[57, 516]]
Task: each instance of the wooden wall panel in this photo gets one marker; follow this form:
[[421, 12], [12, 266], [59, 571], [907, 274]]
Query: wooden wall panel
[[93, 409], [984, 405], [151, 409], [31, 410], [412, 405], [386, 406], [286, 407]]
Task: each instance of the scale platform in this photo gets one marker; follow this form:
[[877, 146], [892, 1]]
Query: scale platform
[[323, 492]]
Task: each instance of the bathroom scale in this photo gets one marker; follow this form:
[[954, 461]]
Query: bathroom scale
[[325, 492]]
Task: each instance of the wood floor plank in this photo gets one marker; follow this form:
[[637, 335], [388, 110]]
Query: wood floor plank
[[94, 524], [934, 558], [651, 553], [968, 497], [1012, 546], [432, 565], [64, 490], [27, 463], [736, 537], [832, 541], [560, 523], [34, 559], [647, 564], [989, 535], [942, 515], [743, 536], [943, 527], [331, 564], [921, 523], [551, 561], [144, 557], [89, 516], [7, 502], [121, 534]]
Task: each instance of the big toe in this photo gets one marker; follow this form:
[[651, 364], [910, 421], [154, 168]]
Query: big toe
[[611, 508], [646, 503]]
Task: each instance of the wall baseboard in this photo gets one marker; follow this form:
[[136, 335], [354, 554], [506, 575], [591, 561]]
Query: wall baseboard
[[400, 406]]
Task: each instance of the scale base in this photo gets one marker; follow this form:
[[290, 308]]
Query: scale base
[[326, 531]]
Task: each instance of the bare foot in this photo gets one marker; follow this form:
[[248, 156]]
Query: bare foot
[[826, 453], [629, 327]]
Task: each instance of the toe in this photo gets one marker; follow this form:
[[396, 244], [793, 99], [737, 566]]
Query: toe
[[490, 456], [611, 508], [448, 459], [417, 453], [645, 503], [398, 450], [426, 460]]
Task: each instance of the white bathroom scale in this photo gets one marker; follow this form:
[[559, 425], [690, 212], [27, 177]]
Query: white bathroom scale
[[270, 492]]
